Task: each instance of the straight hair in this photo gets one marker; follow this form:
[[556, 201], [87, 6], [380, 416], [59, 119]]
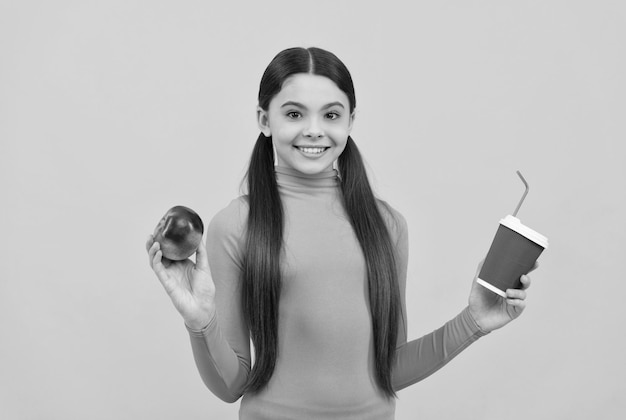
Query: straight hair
[[264, 235]]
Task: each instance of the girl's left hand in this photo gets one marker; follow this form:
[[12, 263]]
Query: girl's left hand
[[491, 311]]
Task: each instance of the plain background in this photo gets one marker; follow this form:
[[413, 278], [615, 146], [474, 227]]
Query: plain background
[[112, 112]]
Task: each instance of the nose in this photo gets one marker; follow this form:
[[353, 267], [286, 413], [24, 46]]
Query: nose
[[313, 129]]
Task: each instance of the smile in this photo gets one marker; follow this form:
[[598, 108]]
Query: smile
[[312, 150]]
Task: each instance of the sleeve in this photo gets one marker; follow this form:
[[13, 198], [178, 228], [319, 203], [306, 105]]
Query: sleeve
[[418, 359], [222, 349]]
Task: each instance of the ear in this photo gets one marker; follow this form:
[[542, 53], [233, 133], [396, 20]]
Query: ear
[[263, 121], [351, 122]]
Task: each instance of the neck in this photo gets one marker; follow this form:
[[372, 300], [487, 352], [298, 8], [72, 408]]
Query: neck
[[290, 176]]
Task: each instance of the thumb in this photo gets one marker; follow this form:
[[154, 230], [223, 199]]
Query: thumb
[[202, 257]]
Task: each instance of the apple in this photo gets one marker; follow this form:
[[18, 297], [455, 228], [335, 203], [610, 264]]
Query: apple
[[179, 232]]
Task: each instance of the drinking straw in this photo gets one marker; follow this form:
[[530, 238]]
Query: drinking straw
[[523, 196]]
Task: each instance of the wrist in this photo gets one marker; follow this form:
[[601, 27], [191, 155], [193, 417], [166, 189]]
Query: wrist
[[201, 323], [477, 321]]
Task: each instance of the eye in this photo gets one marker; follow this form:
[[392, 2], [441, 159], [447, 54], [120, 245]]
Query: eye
[[294, 115], [332, 115]]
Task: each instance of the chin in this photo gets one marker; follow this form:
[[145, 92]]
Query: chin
[[314, 167]]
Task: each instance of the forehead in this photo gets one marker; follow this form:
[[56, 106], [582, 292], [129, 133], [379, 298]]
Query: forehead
[[311, 90]]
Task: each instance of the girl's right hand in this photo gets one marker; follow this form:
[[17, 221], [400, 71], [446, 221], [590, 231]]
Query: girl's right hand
[[188, 285]]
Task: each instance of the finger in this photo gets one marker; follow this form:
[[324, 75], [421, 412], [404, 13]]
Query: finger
[[157, 258], [152, 251], [525, 280], [149, 242], [159, 269], [512, 294], [202, 258], [517, 303]]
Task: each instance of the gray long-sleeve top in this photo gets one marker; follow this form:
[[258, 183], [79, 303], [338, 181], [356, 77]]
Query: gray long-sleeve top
[[325, 365]]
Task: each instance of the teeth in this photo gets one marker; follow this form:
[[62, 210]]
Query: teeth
[[312, 150]]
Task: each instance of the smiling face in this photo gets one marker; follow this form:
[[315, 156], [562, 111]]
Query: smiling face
[[309, 121]]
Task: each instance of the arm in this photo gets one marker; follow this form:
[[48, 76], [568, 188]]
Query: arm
[[422, 357], [221, 350]]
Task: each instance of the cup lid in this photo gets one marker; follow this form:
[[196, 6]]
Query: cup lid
[[515, 224]]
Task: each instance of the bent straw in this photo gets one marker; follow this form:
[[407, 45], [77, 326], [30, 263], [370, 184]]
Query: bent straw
[[523, 196]]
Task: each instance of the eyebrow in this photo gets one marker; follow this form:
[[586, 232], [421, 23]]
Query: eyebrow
[[299, 105]]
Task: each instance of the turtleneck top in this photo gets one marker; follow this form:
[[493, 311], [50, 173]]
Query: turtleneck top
[[325, 363]]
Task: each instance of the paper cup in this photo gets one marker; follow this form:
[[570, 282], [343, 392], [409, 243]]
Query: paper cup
[[513, 252]]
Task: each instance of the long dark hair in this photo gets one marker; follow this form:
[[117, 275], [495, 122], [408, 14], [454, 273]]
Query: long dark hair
[[262, 277]]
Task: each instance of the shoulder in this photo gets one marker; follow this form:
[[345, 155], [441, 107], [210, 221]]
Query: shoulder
[[229, 224], [234, 213], [394, 220]]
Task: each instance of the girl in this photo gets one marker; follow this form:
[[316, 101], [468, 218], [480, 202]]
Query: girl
[[311, 267]]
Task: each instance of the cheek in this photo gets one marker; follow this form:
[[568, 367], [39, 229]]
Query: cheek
[[340, 148], [339, 135], [285, 134]]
